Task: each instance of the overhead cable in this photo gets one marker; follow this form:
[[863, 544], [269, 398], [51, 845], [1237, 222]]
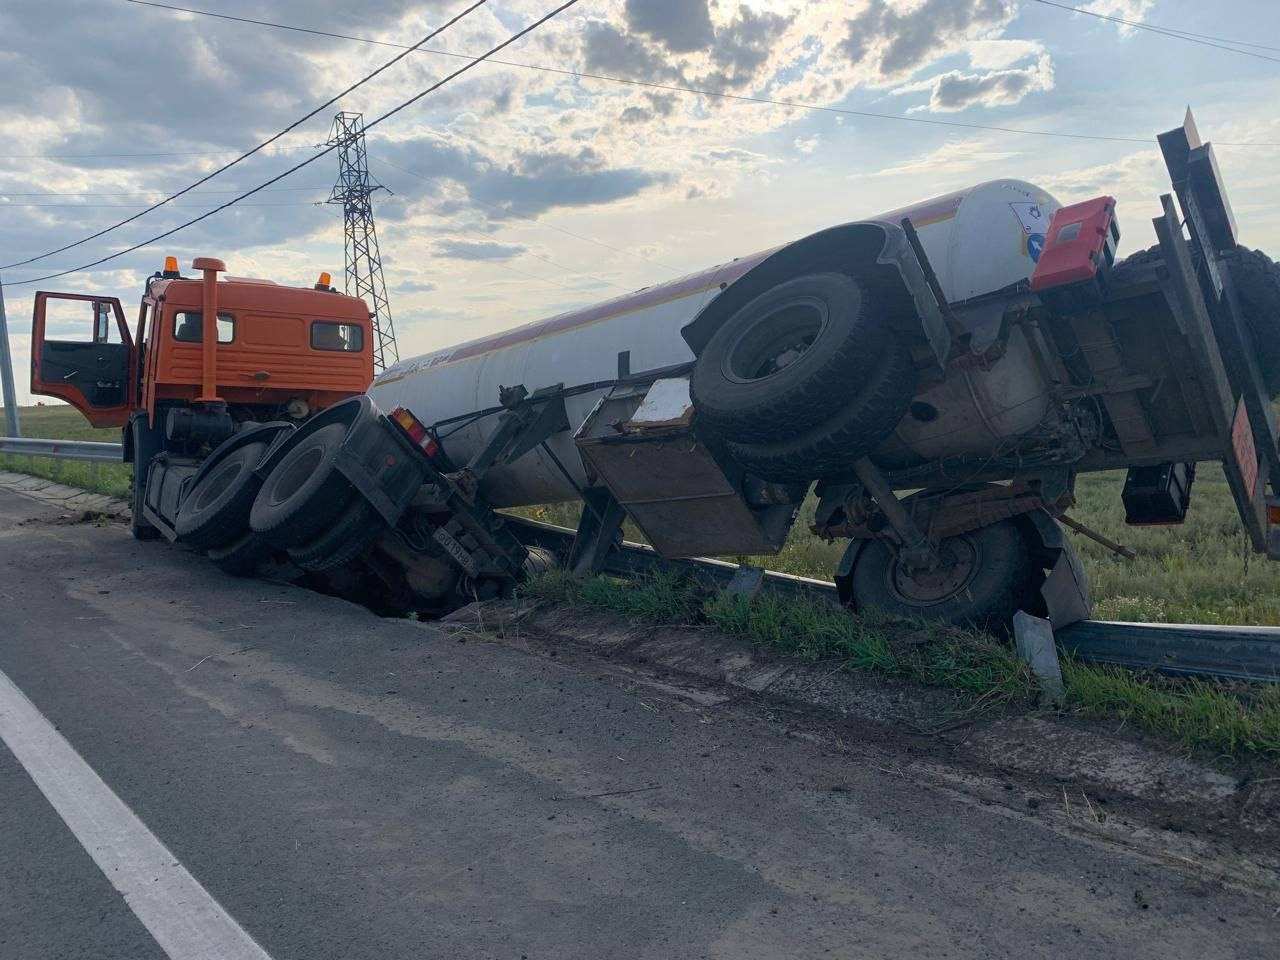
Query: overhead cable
[[313, 158], [249, 153], [677, 88], [1219, 43]]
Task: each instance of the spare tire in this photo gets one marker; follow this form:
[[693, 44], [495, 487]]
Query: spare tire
[[1257, 280], [216, 512], [1257, 283], [343, 541], [789, 356], [828, 450], [304, 493]]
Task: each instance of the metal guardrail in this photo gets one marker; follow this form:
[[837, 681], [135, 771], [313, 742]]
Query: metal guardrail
[[64, 449], [1237, 653]]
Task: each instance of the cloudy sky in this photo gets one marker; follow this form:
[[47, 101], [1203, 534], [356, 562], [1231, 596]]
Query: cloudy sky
[[521, 190]]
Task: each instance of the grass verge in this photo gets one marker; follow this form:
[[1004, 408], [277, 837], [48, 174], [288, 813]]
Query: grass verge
[[66, 423], [1236, 720]]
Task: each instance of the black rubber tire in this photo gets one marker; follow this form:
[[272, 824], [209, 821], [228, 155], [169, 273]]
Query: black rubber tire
[[216, 512], [343, 542], [1002, 582], [303, 493], [734, 401], [142, 454], [828, 451], [243, 556], [1257, 281]]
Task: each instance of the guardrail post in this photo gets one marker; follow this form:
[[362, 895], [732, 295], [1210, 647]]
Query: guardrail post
[[6, 374]]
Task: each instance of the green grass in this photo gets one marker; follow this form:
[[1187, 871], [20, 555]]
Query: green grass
[[1232, 720], [66, 423]]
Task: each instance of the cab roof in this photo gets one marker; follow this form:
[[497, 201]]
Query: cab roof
[[246, 293]]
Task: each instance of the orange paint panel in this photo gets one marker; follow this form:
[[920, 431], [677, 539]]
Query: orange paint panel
[[260, 331]]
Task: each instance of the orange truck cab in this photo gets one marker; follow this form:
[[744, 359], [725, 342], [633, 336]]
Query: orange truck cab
[[206, 357]]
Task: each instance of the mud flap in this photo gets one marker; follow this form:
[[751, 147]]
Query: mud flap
[[1065, 591]]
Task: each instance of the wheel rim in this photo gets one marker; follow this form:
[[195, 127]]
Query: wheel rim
[[296, 474], [217, 483], [960, 561], [776, 340]]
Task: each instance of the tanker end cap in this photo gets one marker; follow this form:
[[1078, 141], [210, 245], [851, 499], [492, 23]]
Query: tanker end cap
[[208, 263]]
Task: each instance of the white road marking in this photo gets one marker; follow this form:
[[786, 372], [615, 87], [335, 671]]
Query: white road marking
[[179, 913]]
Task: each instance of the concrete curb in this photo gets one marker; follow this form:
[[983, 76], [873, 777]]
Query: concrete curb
[[60, 495]]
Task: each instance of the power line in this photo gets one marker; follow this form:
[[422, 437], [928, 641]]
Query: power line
[[176, 206], [140, 193], [313, 158], [1218, 43], [244, 156], [677, 88], [112, 156]]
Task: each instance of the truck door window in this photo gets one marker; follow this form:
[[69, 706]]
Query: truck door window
[[188, 327], [81, 321], [345, 337]]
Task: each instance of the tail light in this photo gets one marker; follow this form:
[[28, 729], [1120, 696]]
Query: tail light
[[416, 430]]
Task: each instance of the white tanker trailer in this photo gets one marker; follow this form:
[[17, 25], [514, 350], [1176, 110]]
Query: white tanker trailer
[[937, 376], [807, 317]]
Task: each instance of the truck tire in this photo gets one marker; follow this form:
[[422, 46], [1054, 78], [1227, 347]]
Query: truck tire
[[243, 556], [304, 493], [788, 357], [216, 512], [828, 451], [345, 540], [144, 447], [991, 578], [1257, 282]]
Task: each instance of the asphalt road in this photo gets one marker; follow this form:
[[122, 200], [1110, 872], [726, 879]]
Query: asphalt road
[[349, 787]]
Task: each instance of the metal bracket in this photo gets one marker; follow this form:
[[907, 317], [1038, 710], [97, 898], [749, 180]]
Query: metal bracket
[[917, 550], [529, 421], [602, 517]]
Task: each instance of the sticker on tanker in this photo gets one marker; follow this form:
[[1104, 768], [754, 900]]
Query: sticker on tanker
[[1034, 227]]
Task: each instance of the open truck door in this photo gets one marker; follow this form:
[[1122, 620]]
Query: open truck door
[[90, 361]]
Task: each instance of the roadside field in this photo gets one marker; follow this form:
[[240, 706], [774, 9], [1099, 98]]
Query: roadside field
[[1200, 572], [63, 422]]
